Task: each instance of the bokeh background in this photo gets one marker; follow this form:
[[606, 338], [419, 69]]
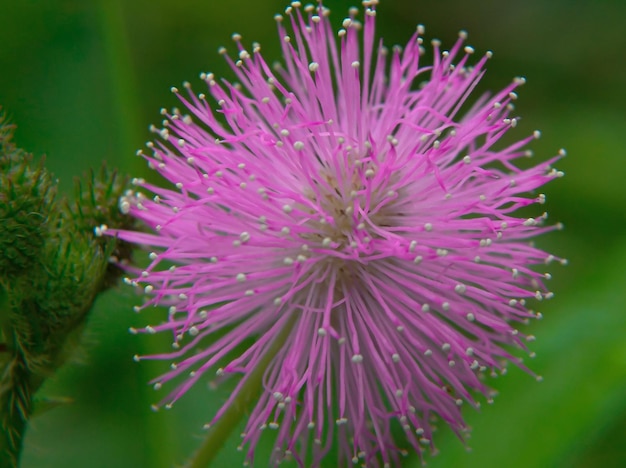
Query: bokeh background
[[84, 79]]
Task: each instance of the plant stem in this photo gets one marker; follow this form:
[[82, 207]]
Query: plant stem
[[127, 114], [220, 432], [15, 408], [121, 75], [12, 425]]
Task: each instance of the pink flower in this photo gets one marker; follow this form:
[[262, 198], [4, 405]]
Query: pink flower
[[348, 196]]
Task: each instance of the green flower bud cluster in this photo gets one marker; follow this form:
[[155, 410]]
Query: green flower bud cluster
[[53, 264], [26, 198]]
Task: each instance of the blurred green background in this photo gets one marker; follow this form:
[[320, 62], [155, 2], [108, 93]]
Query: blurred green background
[[83, 79]]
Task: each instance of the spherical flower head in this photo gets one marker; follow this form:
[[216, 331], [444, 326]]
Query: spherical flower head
[[364, 203]]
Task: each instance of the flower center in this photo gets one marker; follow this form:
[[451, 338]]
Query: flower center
[[351, 210]]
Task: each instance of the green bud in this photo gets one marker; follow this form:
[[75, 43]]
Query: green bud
[[26, 198], [96, 208]]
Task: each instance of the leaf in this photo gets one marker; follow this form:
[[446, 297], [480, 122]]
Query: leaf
[[44, 404]]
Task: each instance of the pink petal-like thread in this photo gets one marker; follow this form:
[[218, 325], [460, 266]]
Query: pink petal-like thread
[[349, 188]]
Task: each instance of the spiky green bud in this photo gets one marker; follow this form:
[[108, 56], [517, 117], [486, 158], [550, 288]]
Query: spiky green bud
[[93, 211], [26, 197]]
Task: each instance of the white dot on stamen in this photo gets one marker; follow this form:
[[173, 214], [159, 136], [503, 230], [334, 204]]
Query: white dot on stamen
[[395, 357], [418, 259], [425, 308], [241, 277], [357, 358], [193, 331], [445, 347], [313, 66], [124, 206], [530, 222], [298, 145], [470, 317], [460, 288], [287, 208]]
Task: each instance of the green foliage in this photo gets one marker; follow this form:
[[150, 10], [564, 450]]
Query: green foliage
[[52, 266]]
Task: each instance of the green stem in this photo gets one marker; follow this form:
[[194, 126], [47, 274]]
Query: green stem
[[158, 441], [13, 425], [222, 429], [15, 408], [121, 76]]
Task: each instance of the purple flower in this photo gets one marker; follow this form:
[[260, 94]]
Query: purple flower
[[352, 196]]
